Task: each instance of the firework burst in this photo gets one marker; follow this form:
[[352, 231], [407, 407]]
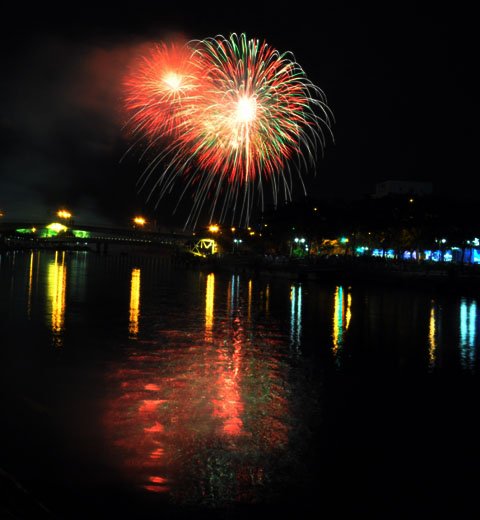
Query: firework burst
[[245, 114], [158, 88]]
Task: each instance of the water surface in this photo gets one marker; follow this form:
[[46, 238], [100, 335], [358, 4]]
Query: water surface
[[130, 385]]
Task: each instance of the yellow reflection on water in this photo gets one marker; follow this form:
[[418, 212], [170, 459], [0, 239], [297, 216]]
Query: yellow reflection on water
[[432, 338], [209, 300], [134, 303], [342, 314], [349, 311], [56, 288], [30, 283]]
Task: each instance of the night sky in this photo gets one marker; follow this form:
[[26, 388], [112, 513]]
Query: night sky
[[401, 83]]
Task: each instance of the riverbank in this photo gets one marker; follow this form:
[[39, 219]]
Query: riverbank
[[338, 270], [350, 270]]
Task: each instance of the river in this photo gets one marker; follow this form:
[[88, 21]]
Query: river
[[132, 387]]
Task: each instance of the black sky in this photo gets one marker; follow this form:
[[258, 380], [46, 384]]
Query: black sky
[[400, 81]]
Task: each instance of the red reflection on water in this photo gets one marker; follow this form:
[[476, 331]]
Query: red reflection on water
[[203, 410], [158, 480], [156, 489], [157, 454], [151, 387], [229, 406], [158, 485], [150, 405], [156, 428]]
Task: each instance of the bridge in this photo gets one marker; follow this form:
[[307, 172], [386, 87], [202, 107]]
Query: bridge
[[42, 234]]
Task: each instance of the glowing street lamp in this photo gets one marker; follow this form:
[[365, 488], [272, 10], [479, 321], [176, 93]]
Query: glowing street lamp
[[56, 227], [236, 243], [139, 221], [63, 213], [301, 246], [213, 228]]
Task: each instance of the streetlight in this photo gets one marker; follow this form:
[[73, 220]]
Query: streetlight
[[139, 221], [236, 242], [63, 213], [301, 243], [213, 228]]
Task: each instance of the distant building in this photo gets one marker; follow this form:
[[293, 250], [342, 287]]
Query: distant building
[[419, 189]]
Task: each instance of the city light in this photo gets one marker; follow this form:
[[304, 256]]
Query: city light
[[300, 249], [205, 247], [236, 243], [213, 228], [79, 233], [57, 227], [63, 213], [139, 221]]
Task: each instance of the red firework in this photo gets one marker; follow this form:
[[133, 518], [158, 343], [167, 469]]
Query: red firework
[[158, 88], [236, 113]]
